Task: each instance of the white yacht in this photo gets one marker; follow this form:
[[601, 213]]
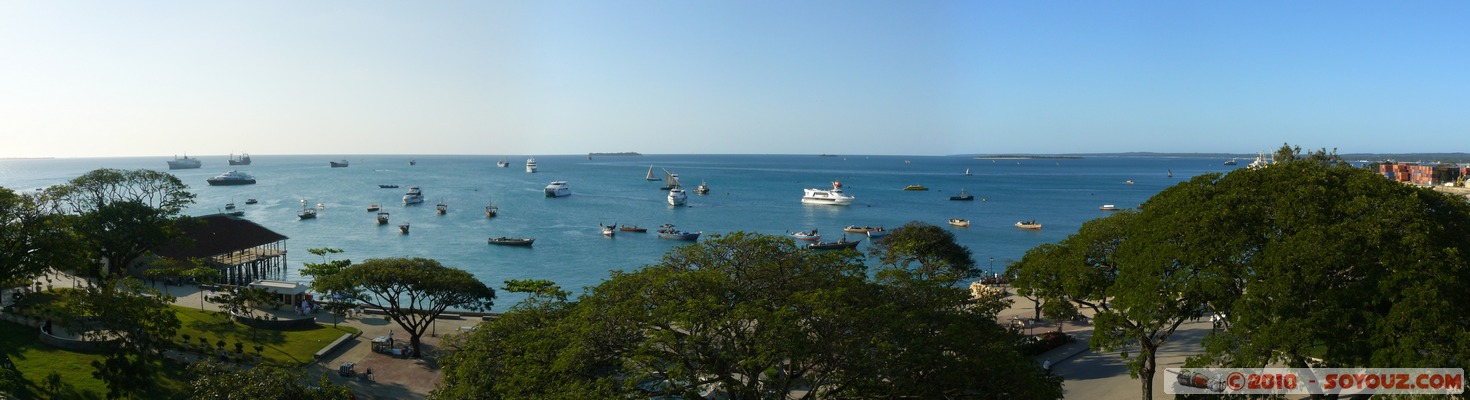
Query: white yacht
[[231, 178], [831, 197], [531, 165], [558, 189], [414, 196], [677, 197]]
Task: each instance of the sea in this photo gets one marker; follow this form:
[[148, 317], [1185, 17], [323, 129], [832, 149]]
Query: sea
[[752, 193]]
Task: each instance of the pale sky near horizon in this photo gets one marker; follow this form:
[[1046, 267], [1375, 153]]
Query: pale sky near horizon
[[119, 78]]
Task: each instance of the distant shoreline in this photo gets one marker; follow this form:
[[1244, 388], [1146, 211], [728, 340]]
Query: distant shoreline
[[1026, 157], [625, 153]]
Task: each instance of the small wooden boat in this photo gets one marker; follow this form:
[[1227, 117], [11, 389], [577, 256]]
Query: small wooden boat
[[807, 236], [387, 186], [857, 229], [632, 228], [1109, 207], [235, 213], [960, 222], [306, 213], [507, 241], [373, 207], [650, 176], [441, 208], [229, 206], [251, 201], [840, 244], [382, 218], [1031, 224], [490, 209], [964, 196], [915, 187], [403, 229]]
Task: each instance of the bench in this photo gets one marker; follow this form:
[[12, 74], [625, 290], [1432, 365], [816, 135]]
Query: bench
[[320, 354]]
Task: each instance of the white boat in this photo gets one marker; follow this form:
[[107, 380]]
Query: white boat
[[833, 197], [677, 197], [877, 233], [531, 165], [967, 172], [608, 230], [231, 178], [702, 189], [1109, 207], [807, 236], [184, 163], [414, 196], [960, 222], [650, 176], [558, 189]]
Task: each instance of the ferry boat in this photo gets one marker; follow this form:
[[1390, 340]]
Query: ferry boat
[[414, 196], [677, 197], [833, 197], [531, 165], [231, 178], [558, 189], [243, 160], [184, 163]]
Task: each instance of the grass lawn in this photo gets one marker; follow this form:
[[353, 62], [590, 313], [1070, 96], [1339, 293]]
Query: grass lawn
[[288, 348], [36, 361]]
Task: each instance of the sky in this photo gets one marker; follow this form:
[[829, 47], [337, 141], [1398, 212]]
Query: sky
[[159, 78]]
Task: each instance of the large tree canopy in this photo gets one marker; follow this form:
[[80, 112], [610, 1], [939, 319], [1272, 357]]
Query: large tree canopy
[[123, 214], [1313, 262], [412, 291], [750, 316], [32, 238]]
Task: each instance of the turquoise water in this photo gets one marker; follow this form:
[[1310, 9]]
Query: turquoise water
[[757, 193]]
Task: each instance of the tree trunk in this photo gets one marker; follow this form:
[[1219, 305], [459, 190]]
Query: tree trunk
[[413, 342], [1146, 368]]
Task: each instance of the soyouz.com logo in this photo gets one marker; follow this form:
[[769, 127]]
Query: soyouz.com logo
[[1344, 381]]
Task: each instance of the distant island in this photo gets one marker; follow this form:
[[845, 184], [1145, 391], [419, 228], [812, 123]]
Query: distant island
[[625, 153], [1027, 157]]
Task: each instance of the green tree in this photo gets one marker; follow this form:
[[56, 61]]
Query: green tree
[[751, 316], [33, 239], [123, 214], [927, 250], [412, 291], [214, 381], [337, 303], [133, 322]]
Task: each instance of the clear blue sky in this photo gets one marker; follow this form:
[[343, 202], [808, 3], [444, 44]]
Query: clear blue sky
[[123, 78]]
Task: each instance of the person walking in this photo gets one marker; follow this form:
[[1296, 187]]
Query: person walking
[[1046, 367]]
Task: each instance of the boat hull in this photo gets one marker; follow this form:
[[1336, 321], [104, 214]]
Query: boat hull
[[833, 245], [511, 242], [230, 182]]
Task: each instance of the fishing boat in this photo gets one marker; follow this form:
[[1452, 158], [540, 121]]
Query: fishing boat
[[1029, 224], [1128, 182], [231, 178], [674, 234], [321, 205], [403, 228], [490, 209], [857, 229], [373, 207], [502, 163], [833, 197], [964, 196], [877, 233], [531, 165], [807, 236], [677, 197], [413, 196], [382, 218], [243, 160], [632, 228], [1109, 207], [412, 162], [915, 187], [558, 189], [671, 180], [650, 176], [184, 163], [441, 208], [839, 244], [389, 186], [507, 241], [235, 213], [338, 164], [306, 213], [229, 206], [702, 188], [251, 201], [608, 230], [960, 222]]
